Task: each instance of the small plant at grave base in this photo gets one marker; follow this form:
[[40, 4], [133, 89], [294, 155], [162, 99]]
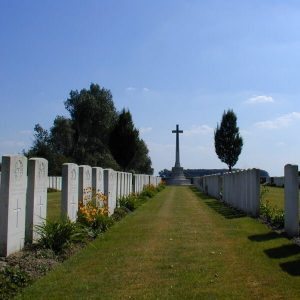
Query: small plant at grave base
[[58, 235], [271, 214], [120, 213], [149, 191], [130, 202], [161, 186], [93, 213]]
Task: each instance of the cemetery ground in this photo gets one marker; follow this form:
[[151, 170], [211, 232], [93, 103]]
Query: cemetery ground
[[275, 195], [180, 244]]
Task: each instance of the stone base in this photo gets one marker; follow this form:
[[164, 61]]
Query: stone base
[[178, 181], [177, 177]]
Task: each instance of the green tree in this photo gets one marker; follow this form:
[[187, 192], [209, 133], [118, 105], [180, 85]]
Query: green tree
[[228, 142], [93, 116], [62, 136], [41, 144], [141, 162], [42, 147], [95, 134], [124, 140]]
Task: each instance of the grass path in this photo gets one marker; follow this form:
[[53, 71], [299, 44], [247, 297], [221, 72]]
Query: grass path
[[179, 245]]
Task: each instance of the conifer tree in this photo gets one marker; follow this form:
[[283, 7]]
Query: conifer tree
[[228, 142]]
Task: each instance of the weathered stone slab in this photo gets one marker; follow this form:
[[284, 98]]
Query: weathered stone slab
[[85, 184], [69, 201], [118, 193], [97, 180], [36, 207], [291, 200], [110, 189], [59, 183], [123, 184], [12, 204], [130, 183], [126, 184], [255, 192]]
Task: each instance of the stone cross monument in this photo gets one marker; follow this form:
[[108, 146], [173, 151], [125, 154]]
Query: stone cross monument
[[177, 177], [177, 131]]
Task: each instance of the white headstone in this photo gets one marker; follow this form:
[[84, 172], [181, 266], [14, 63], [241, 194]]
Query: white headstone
[[12, 204], [123, 190], [69, 203], [118, 185], [130, 183], [291, 200], [255, 192], [97, 180], [36, 207], [126, 184], [85, 184], [110, 189], [59, 183]]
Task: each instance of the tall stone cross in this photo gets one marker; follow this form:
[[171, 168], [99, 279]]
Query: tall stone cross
[[177, 131]]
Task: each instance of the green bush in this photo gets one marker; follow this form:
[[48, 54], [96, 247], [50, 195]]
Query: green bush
[[102, 222], [160, 187], [129, 202], [149, 191], [272, 215], [99, 225], [12, 279], [57, 235]]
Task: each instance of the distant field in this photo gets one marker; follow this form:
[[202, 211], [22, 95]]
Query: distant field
[[53, 207]]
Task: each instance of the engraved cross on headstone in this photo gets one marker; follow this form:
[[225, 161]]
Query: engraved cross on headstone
[[17, 210], [177, 131]]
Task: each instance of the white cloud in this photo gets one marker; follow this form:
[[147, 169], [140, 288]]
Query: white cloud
[[130, 89], [26, 132], [144, 130], [146, 89], [260, 99], [280, 122], [196, 130]]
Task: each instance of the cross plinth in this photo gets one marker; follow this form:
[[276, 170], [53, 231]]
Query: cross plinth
[[177, 131]]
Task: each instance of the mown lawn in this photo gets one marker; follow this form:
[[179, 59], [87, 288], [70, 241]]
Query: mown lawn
[[275, 195], [179, 245], [53, 205]]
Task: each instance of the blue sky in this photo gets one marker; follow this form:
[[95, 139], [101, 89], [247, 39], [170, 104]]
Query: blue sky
[[168, 62]]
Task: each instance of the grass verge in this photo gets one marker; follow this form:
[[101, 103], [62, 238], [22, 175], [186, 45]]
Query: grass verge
[[180, 245]]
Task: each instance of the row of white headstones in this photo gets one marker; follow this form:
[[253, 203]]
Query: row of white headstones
[[241, 190], [23, 194]]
